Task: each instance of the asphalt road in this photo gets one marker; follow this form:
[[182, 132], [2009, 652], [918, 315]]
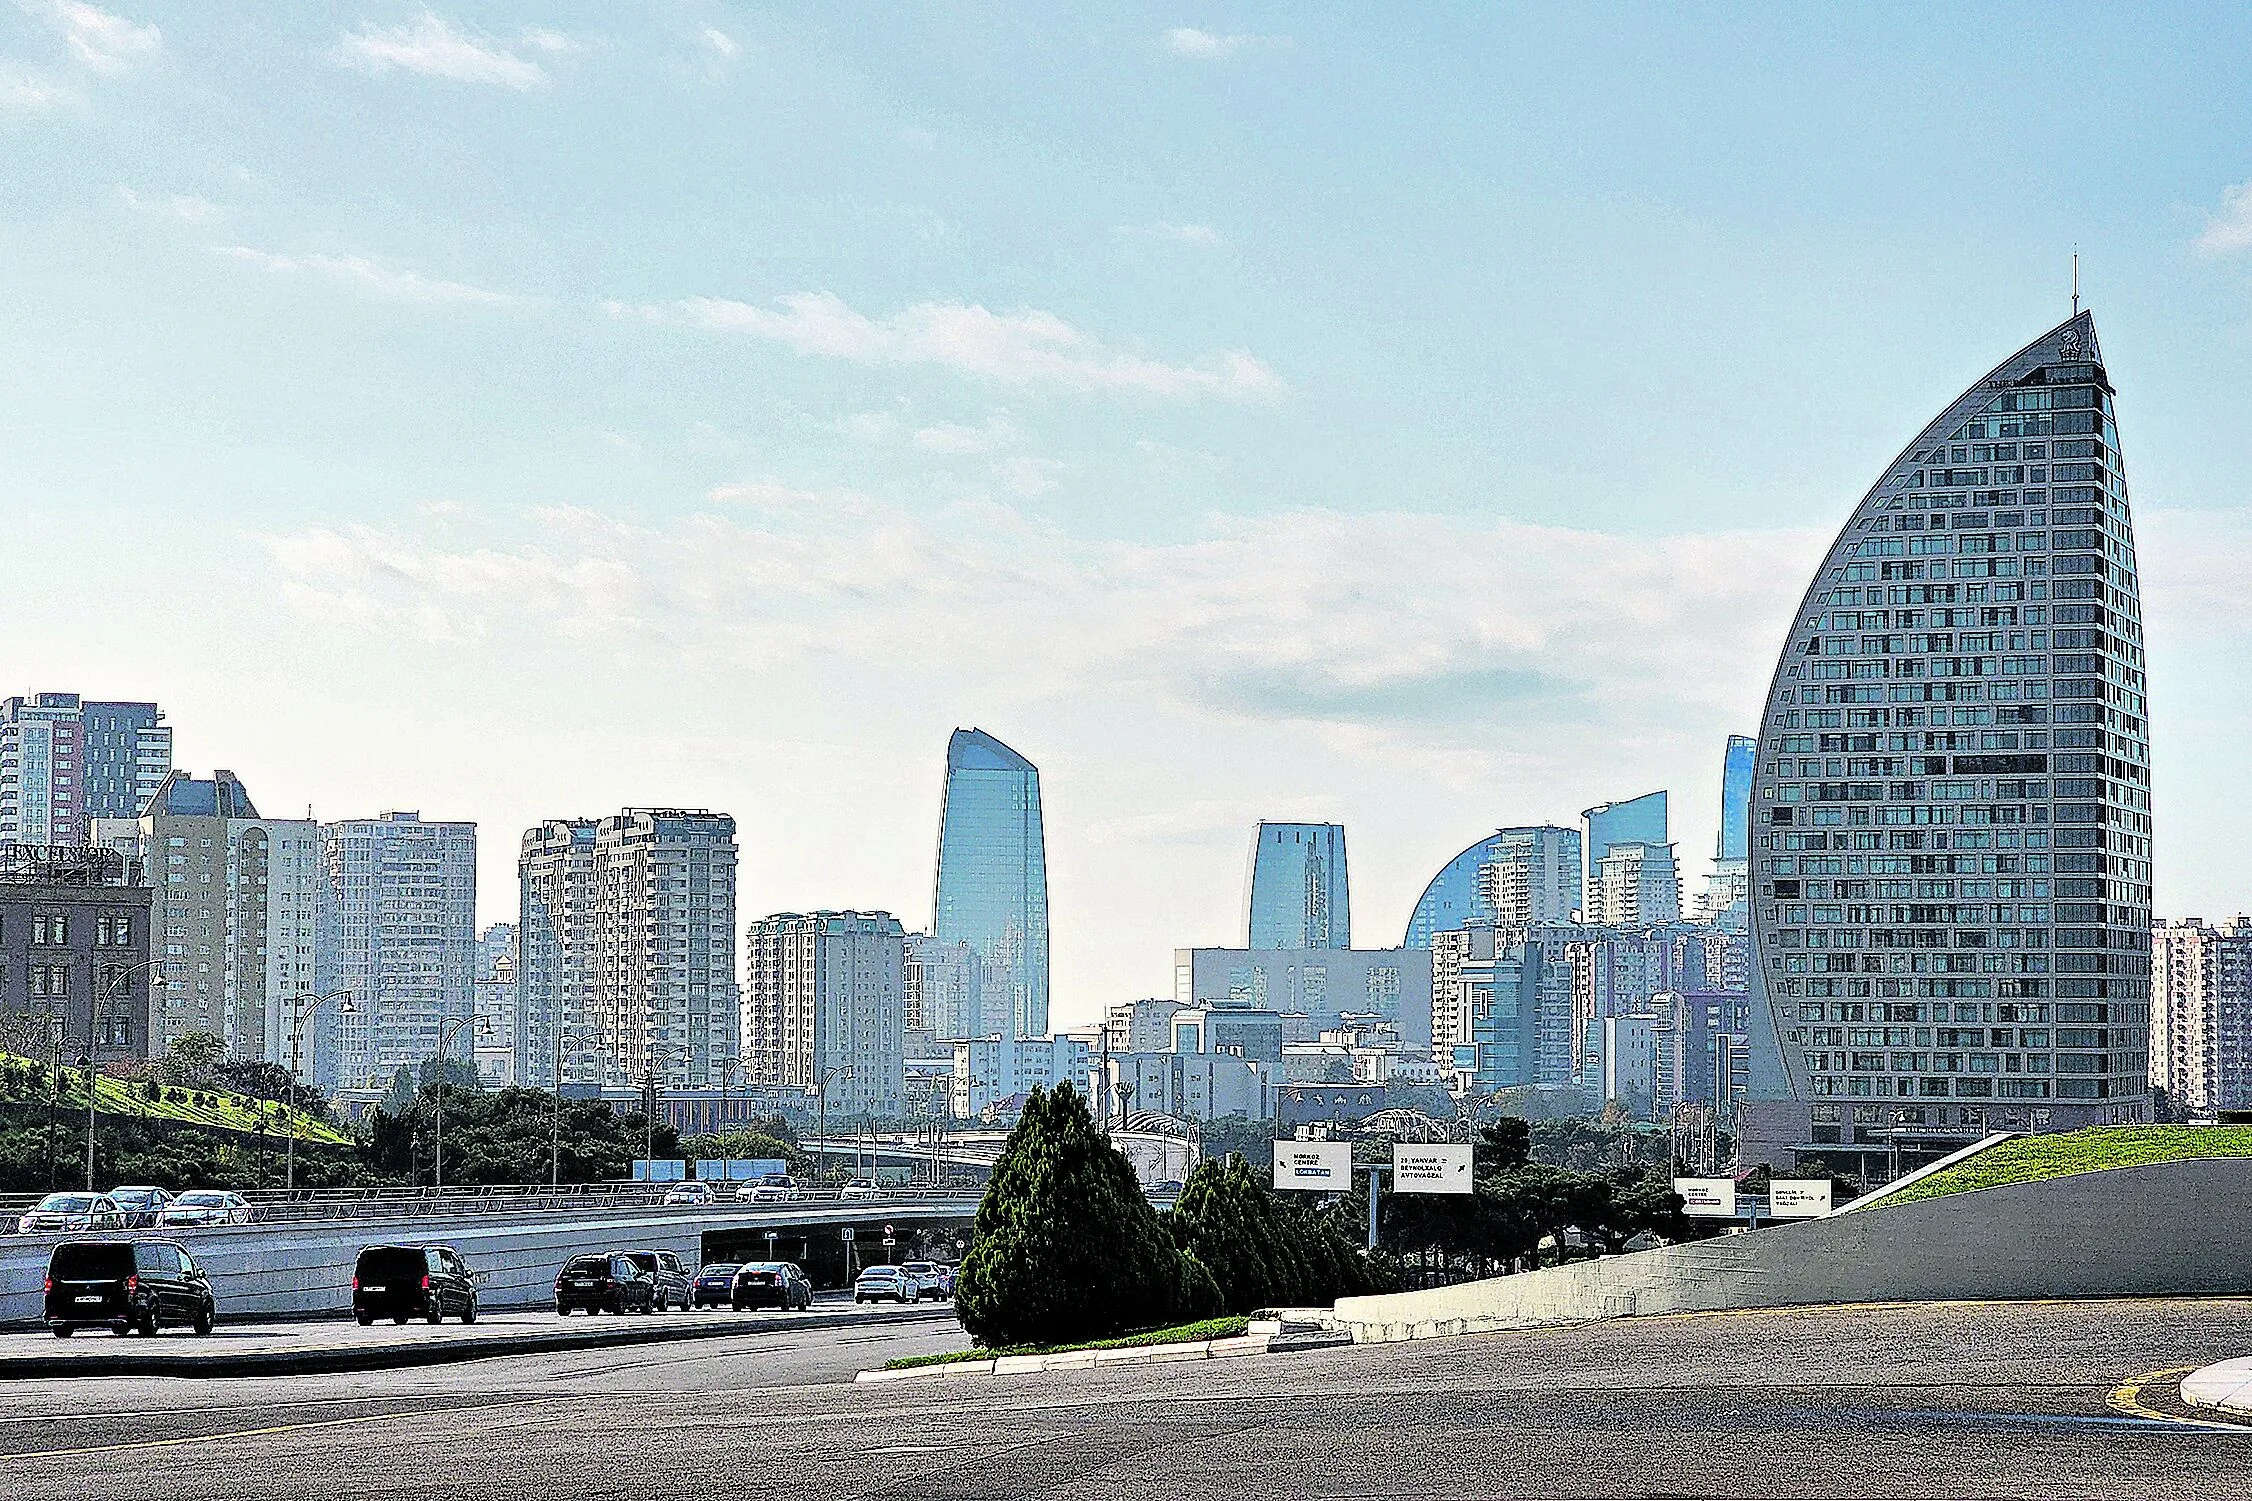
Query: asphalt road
[[1929, 1401]]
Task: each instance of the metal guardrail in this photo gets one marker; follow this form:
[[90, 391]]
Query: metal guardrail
[[312, 1205]]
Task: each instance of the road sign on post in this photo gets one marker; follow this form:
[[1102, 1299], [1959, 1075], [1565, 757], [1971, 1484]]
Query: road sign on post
[[1321, 1165], [1798, 1198], [846, 1232], [1443, 1168], [1707, 1198]]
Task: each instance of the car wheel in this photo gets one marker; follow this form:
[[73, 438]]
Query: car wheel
[[203, 1318], [398, 1318], [364, 1318], [436, 1312], [469, 1312], [64, 1331], [121, 1329]]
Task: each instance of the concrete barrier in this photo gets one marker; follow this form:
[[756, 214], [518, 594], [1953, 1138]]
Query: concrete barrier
[[2171, 1228], [296, 1270]]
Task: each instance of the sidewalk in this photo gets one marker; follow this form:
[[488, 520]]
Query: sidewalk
[[2225, 1386], [1270, 1336]]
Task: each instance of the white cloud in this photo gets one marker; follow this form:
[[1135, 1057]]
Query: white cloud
[[373, 278], [183, 207], [1394, 626], [97, 39], [721, 43], [990, 436], [1203, 236], [1031, 347], [435, 48], [1028, 476], [1187, 41], [28, 93], [2230, 230]]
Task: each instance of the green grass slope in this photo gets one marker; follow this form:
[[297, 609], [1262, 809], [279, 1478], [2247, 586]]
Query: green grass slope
[[214, 1108], [2028, 1159]]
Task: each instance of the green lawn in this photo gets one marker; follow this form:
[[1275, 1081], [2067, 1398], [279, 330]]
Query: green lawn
[[2028, 1159], [196, 1107], [1179, 1334]]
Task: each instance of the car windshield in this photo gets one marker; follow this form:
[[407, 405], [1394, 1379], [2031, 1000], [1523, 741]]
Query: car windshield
[[68, 1203], [720, 1269], [920, 1267], [203, 1198], [588, 1266], [135, 1195], [92, 1259], [881, 1271]]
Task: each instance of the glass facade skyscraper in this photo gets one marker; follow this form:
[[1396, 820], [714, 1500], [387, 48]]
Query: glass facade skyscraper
[[1640, 820], [1736, 796], [992, 887], [1297, 897], [1512, 877], [1951, 813]]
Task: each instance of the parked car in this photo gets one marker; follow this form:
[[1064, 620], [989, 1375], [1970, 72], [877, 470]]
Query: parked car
[[606, 1283], [691, 1192], [139, 1284], [672, 1287], [771, 1284], [208, 1206], [72, 1211], [881, 1282], [140, 1205], [928, 1282], [858, 1191], [715, 1284], [774, 1188], [399, 1282]]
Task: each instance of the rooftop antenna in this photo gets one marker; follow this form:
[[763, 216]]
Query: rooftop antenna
[[2075, 283]]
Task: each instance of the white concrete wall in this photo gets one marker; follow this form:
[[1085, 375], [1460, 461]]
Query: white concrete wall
[[291, 1270], [2175, 1228]]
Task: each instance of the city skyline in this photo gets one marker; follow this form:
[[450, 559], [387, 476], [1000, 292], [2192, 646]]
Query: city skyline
[[898, 397]]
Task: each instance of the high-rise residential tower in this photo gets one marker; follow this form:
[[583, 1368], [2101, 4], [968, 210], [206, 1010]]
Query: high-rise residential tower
[[72, 761], [1640, 820], [1951, 828], [557, 1041], [1727, 890], [992, 886], [1297, 897], [824, 1008], [665, 993], [625, 941], [397, 925], [2201, 1015], [236, 907], [1512, 877]]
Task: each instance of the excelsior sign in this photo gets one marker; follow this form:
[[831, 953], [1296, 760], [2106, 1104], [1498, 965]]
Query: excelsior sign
[[1324, 1165], [1707, 1198], [1798, 1198], [1441, 1169]]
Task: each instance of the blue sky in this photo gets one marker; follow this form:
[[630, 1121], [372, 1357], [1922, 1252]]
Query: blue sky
[[1422, 417]]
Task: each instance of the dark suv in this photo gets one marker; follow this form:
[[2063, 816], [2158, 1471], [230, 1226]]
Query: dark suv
[[399, 1282], [674, 1288], [609, 1283], [141, 1284]]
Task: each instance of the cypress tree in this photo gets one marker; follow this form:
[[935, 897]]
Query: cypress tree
[[1066, 1246]]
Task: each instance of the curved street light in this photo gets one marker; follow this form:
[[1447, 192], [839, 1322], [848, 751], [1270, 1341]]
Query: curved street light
[[301, 1009], [821, 1118], [446, 1035]]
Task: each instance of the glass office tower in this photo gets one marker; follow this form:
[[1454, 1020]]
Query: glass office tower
[[1511, 878], [1640, 820], [1951, 814], [1297, 896], [992, 888], [1736, 796]]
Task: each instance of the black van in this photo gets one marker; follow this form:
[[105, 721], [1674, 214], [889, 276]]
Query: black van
[[399, 1282], [126, 1284]]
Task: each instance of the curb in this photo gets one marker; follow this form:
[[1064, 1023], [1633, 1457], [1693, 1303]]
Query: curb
[[342, 1359], [1081, 1360], [2224, 1386]]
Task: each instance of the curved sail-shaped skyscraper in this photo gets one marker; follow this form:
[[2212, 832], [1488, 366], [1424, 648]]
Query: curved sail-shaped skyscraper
[[992, 886], [1950, 819]]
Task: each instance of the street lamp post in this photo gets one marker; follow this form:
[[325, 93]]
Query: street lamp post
[[446, 1035], [301, 1009], [821, 1115], [117, 980]]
